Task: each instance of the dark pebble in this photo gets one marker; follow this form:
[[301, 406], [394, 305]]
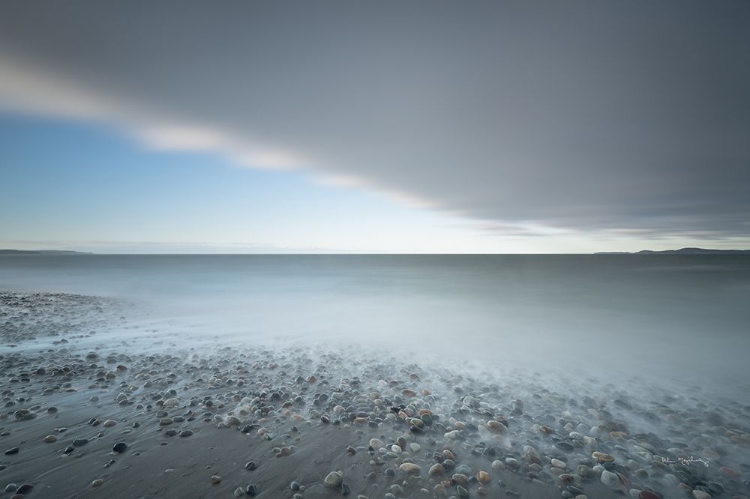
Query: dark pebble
[[78, 442], [564, 446], [24, 489], [250, 466], [251, 490], [14, 450], [120, 447]]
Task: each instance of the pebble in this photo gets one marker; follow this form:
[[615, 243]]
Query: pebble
[[251, 490], [611, 480], [436, 470], [483, 477], [250, 466], [97, 482], [411, 468], [699, 494], [186, 433], [512, 463], [80, 442], [120, 447], [558, 464], [602, 457], [215, 479], [333, 479], [24, 489], [496, 426], [11, 451], [50, 438]]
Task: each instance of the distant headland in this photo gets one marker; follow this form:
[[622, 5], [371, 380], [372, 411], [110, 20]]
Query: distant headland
[[681, 251], [41, 252]]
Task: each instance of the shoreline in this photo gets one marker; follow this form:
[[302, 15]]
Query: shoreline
[[301, 414]]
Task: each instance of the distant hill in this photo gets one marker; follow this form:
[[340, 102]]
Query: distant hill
[[681, 251], [41, 252]]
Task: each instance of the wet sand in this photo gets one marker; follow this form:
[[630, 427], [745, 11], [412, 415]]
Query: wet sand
[[81, 377]]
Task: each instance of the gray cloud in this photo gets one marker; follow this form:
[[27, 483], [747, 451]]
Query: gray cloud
[[582, 116]]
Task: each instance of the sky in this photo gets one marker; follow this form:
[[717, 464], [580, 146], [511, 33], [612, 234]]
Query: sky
[[394, 127]]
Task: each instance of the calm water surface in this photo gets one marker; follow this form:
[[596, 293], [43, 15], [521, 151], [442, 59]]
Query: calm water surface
[[658, 315]]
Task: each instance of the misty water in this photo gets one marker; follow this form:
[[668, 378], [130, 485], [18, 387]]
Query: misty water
[[674, 317], [643, 357]]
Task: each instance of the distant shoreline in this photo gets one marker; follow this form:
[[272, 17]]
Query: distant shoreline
[[42, 252], [682, 251]]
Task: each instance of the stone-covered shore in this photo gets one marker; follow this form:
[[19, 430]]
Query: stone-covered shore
[[96, 405]]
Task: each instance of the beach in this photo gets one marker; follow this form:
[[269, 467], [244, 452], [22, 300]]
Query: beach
[[90, 414]]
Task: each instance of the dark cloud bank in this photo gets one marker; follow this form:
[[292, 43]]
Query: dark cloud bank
[[577, 115]]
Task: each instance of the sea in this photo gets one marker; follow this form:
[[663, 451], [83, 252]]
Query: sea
[[662, 317]]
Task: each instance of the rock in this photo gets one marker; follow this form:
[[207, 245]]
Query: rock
[[460, 478], [376, 443], [109, 423], [496, 426], [11, 487], [585, 471], [699, 494], [250, 465], [611, 480], [333, 479], [463, 470], [558, 464], [294, 486], [80, 442], [729, 472], [512, 463], [462, 492], [564, 446], [645, 494], [24, 415], [251, 490], [602, 457], [452, 435], [11, 451], [186, 433], [215, 479], [120, 447], [498, 465], [530, 455], [483, 477], [97, 482], [24, 489], [50, 438], [410, 468], [414, 447], [436, 470]]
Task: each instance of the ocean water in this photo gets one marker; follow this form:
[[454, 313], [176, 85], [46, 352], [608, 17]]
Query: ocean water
[[676, 317]]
